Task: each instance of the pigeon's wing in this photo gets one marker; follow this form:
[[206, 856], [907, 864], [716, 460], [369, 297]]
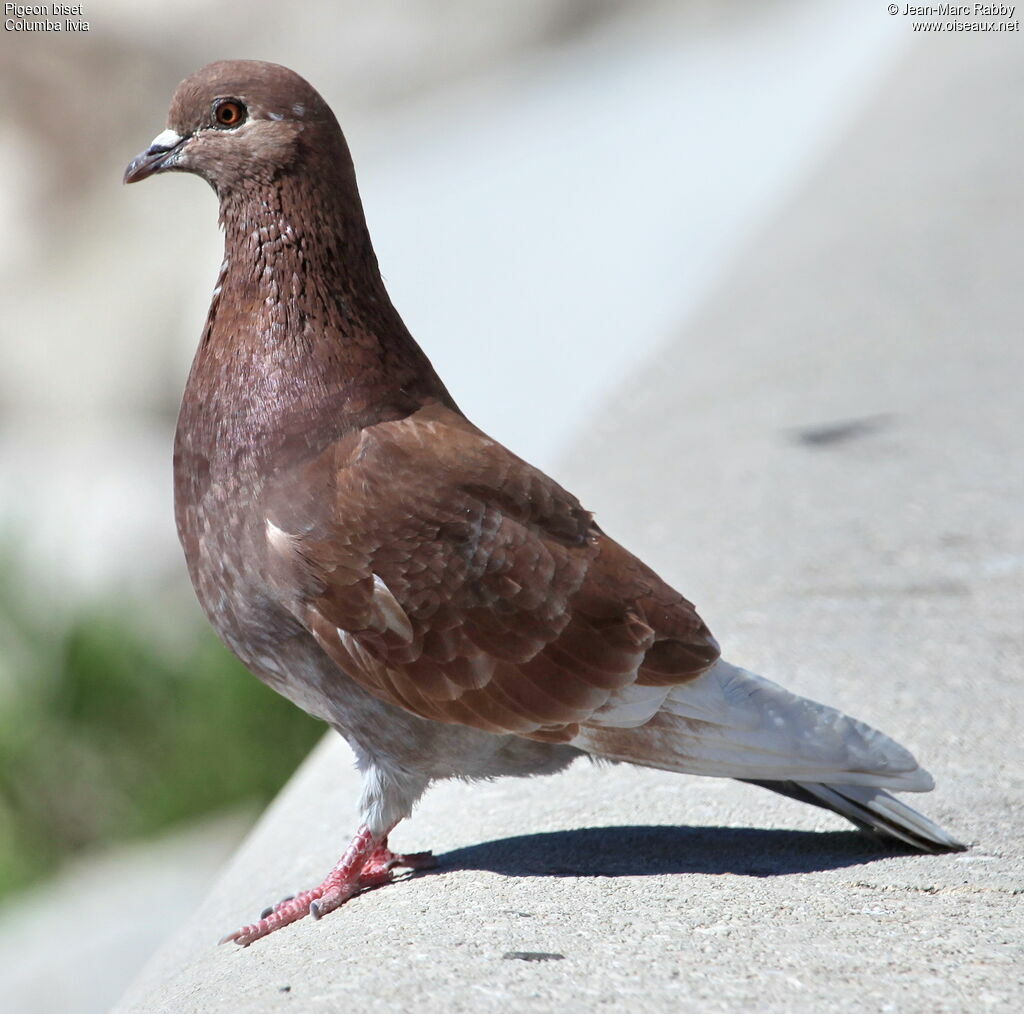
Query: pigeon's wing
[[449, 577]]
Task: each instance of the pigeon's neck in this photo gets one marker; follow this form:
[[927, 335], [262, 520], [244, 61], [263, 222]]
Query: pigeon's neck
[[301, 324], [310, 228]]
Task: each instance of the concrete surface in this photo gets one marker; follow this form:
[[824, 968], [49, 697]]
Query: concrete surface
[[827, 460]]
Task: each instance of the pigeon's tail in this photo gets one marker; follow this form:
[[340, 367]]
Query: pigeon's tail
[[731, 723], [874, 811]]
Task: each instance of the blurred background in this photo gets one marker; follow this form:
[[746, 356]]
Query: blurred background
[[553, 187]]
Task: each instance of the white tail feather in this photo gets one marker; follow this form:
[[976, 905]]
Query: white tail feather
[[735, 724], [732, 723]]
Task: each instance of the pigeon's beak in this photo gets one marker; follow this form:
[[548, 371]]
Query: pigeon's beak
[[162, 154]]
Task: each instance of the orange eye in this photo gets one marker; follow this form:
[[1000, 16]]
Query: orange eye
[[228, 112]]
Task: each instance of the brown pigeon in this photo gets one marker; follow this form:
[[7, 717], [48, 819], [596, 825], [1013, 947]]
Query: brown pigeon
[[373, 556]]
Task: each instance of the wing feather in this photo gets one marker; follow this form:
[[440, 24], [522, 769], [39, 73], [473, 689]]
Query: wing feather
[[447, 576]]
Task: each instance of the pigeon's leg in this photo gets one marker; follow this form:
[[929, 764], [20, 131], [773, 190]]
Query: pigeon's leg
[[367, 862], [388, 796]]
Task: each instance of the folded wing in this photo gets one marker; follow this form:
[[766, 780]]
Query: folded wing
[[449, 577]]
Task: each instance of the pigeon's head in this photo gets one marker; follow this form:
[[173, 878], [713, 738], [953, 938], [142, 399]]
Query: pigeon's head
[[237, 122]]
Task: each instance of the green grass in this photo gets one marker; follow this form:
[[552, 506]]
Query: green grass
[[105, 736]]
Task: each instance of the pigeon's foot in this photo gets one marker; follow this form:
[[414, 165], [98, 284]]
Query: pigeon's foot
[[366, 863]]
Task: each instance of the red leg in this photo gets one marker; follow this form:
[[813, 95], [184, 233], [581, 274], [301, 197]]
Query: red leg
[[366, 863]]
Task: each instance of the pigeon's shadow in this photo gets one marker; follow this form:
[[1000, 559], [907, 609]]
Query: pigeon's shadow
[[643, 851]]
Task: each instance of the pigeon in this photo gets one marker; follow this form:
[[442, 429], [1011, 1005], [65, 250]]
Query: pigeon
[[376, 558]]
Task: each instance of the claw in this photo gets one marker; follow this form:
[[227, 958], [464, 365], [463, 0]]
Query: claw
[[271, 909]]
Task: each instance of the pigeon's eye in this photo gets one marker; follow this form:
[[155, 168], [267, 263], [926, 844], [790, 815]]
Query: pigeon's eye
[[228, 112]]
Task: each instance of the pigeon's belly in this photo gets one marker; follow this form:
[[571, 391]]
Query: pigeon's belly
[[382, 733]]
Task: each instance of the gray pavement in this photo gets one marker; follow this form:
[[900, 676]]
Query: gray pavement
[[827, 460]]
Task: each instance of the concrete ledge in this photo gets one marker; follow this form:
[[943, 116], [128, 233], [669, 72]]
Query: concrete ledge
[[827, 462]]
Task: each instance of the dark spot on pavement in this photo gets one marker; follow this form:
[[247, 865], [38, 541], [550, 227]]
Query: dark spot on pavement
[[532, 956], [840, 432]]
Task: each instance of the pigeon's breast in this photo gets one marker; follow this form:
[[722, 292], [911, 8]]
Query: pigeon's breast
[[217, 483]]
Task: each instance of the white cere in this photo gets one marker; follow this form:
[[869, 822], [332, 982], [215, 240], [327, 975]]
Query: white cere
[[166, 139]]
